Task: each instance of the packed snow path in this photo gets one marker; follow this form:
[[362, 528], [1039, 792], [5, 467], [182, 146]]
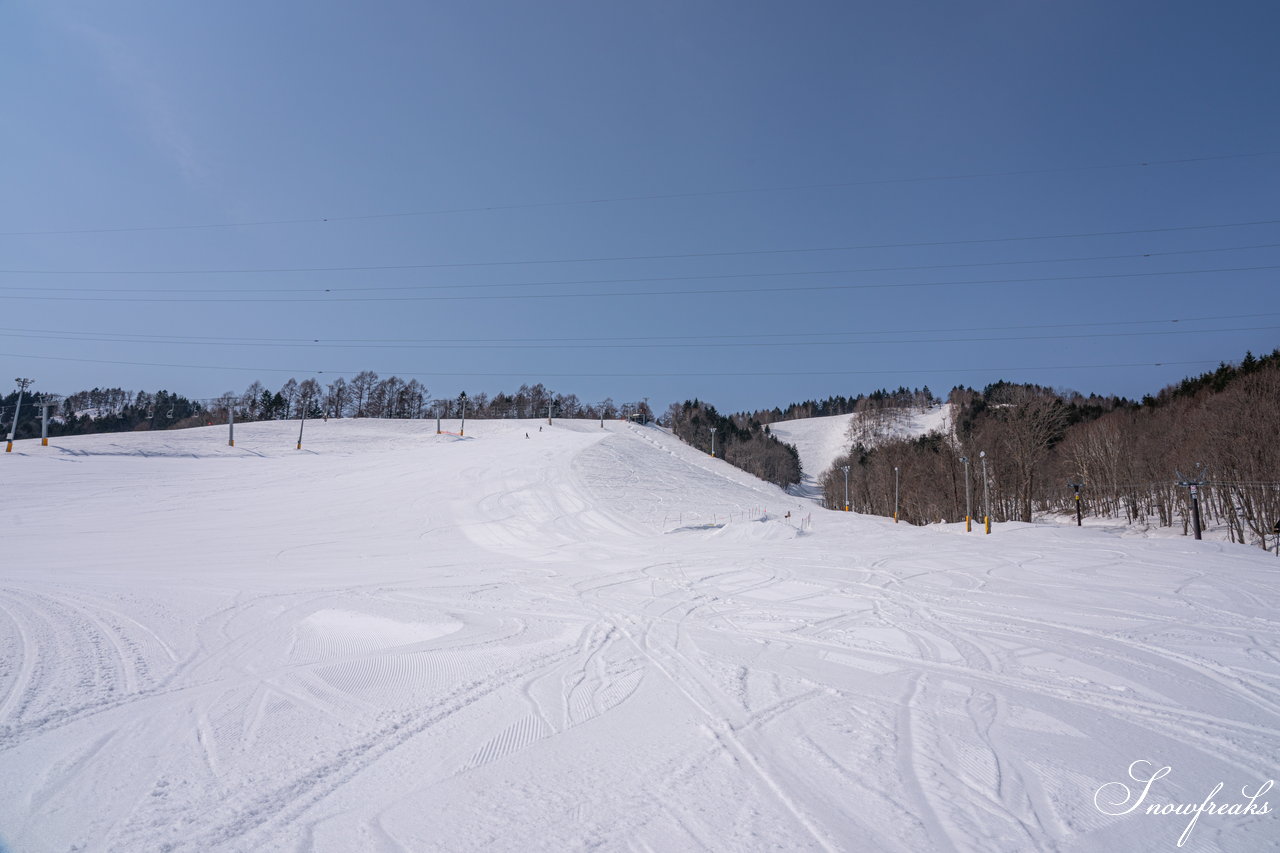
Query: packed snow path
[[588, 638]]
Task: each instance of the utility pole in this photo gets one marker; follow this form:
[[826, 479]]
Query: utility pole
[[231, 425], [437, 417], [986, 492], [845, 468], [1194, 487], [303, 423], [713, 441], [549, 408], [462, 398], [1077, 486], [968, 503], [23, 384], [895, 494]]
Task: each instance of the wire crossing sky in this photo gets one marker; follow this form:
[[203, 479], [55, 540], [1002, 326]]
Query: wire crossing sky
[[748, 203]]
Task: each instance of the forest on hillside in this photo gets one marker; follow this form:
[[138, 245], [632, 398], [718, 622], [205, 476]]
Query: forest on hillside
[[739, 440], [365, 396], [1133, 461]]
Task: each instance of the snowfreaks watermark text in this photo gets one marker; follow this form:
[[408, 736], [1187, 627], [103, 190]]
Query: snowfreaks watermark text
[[1117, 798]]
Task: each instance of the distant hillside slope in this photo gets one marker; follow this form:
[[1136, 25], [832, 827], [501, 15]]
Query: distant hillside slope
[[821, 441]]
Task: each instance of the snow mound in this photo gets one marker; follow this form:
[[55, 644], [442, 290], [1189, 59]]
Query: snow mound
[[769, 530], [366, 631]]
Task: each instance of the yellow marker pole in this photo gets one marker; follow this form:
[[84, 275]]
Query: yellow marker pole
[[987, 520], [968, 524]]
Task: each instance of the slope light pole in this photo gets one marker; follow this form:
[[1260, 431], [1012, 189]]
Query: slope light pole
[[845, 468], [23, 384], [44, 421], [1194, 487], [1077, 486], [462, 398], [713, 441], [986, 493], [895, 494], [231, 425], [968, 502]]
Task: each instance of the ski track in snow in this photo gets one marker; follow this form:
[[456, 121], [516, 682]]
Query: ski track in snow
[[590, 639]]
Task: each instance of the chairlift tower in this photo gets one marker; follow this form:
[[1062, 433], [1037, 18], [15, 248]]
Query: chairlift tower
[[23, 384], [46, 400]]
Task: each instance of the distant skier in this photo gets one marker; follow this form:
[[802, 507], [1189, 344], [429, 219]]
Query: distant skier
[[526, 435]]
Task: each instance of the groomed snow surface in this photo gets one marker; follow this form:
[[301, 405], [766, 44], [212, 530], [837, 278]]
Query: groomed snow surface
[[393, 640]]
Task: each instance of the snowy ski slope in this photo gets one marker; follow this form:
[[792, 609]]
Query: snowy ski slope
[[591, 638], [821, 441]]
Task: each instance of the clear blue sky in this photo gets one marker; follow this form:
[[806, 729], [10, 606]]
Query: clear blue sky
[[495, 149]]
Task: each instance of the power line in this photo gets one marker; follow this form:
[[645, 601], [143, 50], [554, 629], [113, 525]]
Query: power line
[[179, 298], [740, 253], [624, 345], [547, 375], [654, 197], [752, 336], [715, 276]]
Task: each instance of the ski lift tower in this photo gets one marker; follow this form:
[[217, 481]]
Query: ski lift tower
[[23, 384], [46, 401]]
